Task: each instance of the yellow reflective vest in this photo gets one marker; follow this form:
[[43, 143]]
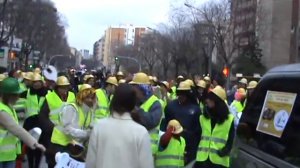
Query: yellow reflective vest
[[173, 155], [213, 140], [55, 103], [154, 132], [10, 145], [84, 122], [33, 104], [103, 104]]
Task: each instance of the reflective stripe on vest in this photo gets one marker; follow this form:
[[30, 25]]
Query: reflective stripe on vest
[[103, 104], [55, 103], [10, 145], [214, 140], [33, 104], [172, 156], [154, 132], [84, 121]]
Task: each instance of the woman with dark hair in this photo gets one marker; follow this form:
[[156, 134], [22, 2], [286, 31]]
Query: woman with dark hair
[[118, 141], [217, 132]]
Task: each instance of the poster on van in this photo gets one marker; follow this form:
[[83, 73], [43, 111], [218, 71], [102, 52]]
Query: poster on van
[[276, 112]]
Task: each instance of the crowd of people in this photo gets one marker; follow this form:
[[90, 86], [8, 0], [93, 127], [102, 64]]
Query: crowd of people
[[119, 120]]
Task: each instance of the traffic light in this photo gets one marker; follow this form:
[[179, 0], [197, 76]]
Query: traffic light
[[116, 59], [226, 71], [12, 55]]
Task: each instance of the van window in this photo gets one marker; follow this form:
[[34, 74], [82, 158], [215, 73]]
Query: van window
[[287, 147]]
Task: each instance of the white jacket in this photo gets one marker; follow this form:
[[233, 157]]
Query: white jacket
[[117, 142]]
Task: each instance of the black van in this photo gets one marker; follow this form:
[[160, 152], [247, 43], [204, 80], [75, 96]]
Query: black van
[[268, 134]]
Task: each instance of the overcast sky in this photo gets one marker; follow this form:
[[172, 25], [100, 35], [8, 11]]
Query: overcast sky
[[88, 19]]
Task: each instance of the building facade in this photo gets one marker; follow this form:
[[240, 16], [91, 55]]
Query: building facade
[[275, 23]]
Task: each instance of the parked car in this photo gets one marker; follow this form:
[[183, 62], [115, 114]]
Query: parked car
[[268, 134]]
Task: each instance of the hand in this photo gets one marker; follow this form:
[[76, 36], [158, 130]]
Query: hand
[[40, 147]]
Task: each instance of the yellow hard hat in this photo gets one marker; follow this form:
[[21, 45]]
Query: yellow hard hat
[[122, 81], [180, 77], [252, 85], [112, 80], [2, 77], [85, 86], [37, 70], [201, 83], [120, 73], [190, 82], [220, 92], [150, 78], [36, 77], [86, 77], [166, 84], [207, 78], [154, 78], [176, 125], [140, 78], [62, 81], [184, 86], [242, 91], [244, 81], [28, 75]]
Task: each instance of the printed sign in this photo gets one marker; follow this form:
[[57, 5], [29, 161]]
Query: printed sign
[[276, 112], [63, 160]]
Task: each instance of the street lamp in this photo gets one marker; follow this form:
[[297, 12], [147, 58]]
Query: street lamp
[[132, 59], [52, 57]]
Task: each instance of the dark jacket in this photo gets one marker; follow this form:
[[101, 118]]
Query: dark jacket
[[188, 115]]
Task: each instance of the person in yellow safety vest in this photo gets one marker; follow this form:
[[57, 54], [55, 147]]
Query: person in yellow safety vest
[[75, 121], [49, 114], [171, 147], [187, 113], [88, 79], [10, 131], [35, 97], [148, 107], [237, 106], [179, 79], [202, 92], [21, 103], [217, 133], [104, 96]]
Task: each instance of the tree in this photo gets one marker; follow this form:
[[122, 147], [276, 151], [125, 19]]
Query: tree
[[7, 21], [148, 51]]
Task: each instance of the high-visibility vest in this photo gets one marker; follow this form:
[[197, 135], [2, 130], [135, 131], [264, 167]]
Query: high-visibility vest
[[214, 140], [55, 103], [238, 106], [20, 105], [173, 95], [33, 104], [84, 121], [173, 155], [10, 145], [103, 104], [155, 131]]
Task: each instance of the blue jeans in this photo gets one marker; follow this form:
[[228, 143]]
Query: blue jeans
[[9, 164]]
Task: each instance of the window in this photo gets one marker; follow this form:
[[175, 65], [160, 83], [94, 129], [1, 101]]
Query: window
[[287, 147]]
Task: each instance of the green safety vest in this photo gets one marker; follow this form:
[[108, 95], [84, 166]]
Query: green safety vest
[[201, 107], [33, 104], [154, 132], [173, 96], [214, 140], [172, 156], [20, 105], [238, 105], [103, 104], [10, 145], [84, 122], [55, 103]]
